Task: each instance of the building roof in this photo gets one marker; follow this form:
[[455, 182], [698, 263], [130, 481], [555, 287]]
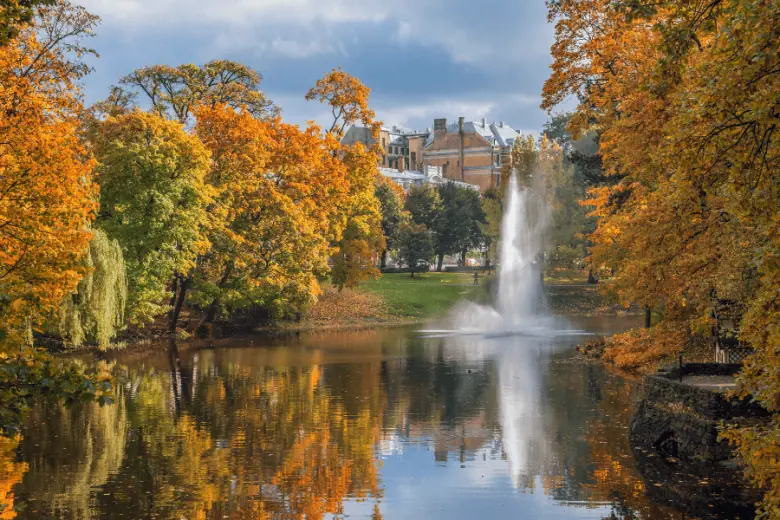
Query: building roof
[[407, 175], [434, 177], [497, 133], [504, 133]]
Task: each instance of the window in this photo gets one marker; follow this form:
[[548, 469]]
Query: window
[[414, 160], [498, 159]]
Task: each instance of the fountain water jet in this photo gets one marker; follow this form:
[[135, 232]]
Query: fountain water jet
[[519, 308]]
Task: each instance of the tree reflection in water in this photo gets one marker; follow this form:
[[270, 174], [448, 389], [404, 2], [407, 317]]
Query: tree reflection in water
[[301, 429]]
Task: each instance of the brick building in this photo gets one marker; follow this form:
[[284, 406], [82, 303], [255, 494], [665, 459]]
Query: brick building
[[466, 151]]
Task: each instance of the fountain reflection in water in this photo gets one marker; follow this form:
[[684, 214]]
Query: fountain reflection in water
[[517, 333]]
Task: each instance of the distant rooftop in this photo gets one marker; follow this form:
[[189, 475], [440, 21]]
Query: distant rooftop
[[496, 133], [407, 175]]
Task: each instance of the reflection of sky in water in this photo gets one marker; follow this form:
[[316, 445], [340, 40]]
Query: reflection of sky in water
[[499, 479], [479, 488]]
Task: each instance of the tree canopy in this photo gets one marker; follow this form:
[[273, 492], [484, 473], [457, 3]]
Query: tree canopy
[[684, 97]]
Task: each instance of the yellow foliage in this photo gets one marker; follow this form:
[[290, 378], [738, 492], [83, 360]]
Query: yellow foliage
[[11, 473]]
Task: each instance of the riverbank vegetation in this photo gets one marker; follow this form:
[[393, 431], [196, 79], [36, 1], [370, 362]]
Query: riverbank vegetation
[[184, 189], [184, 193], [682, 98]]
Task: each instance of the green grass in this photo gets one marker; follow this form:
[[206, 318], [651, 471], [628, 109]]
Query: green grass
[[426, 295]]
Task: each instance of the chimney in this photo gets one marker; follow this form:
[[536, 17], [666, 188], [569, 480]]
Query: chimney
[[501, 124], [461, 162], [484, 123], [439, 128]]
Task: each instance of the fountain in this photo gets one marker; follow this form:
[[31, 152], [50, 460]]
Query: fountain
[[519, 308]]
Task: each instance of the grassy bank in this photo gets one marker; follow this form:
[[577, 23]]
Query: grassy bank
[[393, 299], [398, 298], [427, 295]]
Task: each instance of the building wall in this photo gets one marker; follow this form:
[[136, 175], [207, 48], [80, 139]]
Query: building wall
[[416, 145], [384, 141], [474, 166]]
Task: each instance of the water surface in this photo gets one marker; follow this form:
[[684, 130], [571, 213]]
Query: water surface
[[371, 424]]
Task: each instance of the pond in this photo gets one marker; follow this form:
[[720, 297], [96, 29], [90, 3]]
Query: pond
[[368, 424]]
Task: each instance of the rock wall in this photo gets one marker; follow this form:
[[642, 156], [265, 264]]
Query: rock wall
[[674, 435]]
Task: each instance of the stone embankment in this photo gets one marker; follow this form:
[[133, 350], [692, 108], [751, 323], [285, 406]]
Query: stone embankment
[[674, 436]]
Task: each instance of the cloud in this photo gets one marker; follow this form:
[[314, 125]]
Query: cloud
[[408, 115], [238, 12], [422, 59]]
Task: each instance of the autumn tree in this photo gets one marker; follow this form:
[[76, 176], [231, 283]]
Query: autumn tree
[[692, 215], [362, 240], [276, 211], [46, 186], [347, 98], [16, 14], [174, 92], [153, 199]]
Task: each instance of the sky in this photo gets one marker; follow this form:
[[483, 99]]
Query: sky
[[422, 59]]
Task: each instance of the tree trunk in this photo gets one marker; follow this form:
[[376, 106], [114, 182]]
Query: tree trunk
[[383, 262], [591, 278], [174, 294], [173, 320], [211, 311], [213, 308], [174, 363], [648, 318], [440, 263], [463, 258]]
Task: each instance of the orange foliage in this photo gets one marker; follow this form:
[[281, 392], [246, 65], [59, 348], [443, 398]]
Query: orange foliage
[[46, 188], [684, 95], [348, 100], [279, 194], [363, 240], [644, 349]]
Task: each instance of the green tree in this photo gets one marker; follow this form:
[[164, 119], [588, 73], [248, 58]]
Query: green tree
[[391, 201], [153, 201], [415, 247], [424, 205], [457, 228], [15, 14], [493, 209]]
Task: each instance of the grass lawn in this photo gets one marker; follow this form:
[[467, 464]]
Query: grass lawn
[[426, 295]]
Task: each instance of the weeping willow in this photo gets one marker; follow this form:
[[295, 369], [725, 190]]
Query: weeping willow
[[96, 311]]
